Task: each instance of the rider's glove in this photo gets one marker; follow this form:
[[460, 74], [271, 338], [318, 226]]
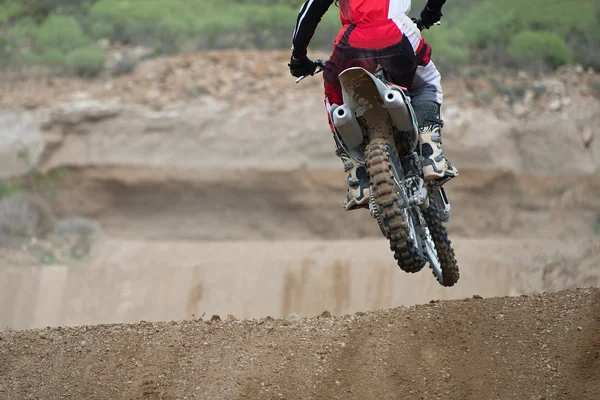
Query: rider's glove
[[430, 17], [302, 66]]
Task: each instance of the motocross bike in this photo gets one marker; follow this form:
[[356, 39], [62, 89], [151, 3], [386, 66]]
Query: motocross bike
[[377, 126]]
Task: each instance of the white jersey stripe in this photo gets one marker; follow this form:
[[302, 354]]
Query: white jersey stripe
[[398, 8], [409, 29], [302, 17]]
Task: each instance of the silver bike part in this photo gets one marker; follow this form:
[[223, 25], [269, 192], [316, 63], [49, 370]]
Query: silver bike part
[[439, 198], [347, 126], [432, 256]]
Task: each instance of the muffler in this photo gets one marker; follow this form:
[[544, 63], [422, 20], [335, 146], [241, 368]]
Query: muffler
[[347, 126], [395, 102]]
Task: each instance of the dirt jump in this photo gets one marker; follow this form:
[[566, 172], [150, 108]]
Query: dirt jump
[[537, 347]]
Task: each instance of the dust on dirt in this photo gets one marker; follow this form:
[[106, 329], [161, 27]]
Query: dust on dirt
[[539, 347]]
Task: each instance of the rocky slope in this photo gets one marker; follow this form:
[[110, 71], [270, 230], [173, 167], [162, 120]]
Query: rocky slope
[[242, 109]]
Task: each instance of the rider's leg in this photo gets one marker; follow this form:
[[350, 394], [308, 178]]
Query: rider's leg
[[427, 96], [358, 194]]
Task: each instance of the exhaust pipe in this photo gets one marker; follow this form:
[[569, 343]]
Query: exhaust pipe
[[393, 101], [347, 126]]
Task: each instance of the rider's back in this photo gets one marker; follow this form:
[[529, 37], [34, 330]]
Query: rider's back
[[368, 11]]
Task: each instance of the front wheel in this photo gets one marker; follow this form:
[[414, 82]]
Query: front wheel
[[438, 247]]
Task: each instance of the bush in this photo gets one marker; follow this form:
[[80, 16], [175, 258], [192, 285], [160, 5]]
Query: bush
[[82, 232], [61, 33], [100, 29], [124, 65], [8, 188], [9, 10], [53, 58], [25, 215], [446, 55], [158, 24], [539, 47], [87, 62]]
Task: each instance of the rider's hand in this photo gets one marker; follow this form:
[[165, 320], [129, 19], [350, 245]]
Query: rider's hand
[[302, 66], [430, 17]]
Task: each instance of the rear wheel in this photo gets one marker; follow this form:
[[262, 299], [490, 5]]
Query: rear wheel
[[395, 218]]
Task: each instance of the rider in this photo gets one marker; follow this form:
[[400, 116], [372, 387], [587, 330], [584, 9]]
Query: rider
[[379, 32]]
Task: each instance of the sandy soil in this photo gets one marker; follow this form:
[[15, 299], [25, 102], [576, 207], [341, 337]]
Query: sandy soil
[[540, 347]]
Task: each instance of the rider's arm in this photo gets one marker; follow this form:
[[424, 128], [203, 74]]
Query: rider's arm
[[310, 15], [435, 5]]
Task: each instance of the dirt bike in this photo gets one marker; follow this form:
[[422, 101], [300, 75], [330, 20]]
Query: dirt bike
[[377, 126]]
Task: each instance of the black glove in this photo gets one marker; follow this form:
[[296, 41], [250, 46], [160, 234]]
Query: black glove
[[302, 66], [430, 17]]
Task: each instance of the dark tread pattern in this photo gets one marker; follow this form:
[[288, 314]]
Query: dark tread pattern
[[390, 206], [443, 246]]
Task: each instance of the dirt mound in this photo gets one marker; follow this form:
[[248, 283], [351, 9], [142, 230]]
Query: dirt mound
[[540, 347]]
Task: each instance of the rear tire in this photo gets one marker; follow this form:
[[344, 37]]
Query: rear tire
[[381, 162]]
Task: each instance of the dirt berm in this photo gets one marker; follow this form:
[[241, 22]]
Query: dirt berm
[[540, 347]]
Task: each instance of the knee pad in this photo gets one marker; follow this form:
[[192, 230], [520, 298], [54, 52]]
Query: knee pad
[[428, 113]]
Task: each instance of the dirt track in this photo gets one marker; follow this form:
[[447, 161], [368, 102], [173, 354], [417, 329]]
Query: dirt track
[[540, 347]]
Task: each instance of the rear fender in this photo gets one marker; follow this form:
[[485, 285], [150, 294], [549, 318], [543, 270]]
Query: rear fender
[[363, 94]]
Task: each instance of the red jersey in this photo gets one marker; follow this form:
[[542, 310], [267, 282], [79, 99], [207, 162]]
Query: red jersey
[[352, 12]]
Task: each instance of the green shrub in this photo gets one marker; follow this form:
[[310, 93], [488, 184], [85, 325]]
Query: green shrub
[[53, 58], [220, 30], [18, 39], [9, 10], [26, 59], [156, 23], [269, 27], [492, 22], [535, 47], [8, 187], [4, 52], [61, 33], [87, 62], [444, 53], [100, 29]]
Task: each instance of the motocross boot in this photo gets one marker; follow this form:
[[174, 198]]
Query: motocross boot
[[435, 165], [359, 193]]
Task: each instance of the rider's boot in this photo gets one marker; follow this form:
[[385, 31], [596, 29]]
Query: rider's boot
[[358, 194], [435, 166]]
